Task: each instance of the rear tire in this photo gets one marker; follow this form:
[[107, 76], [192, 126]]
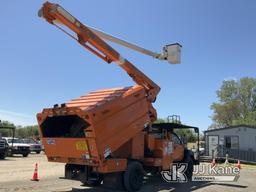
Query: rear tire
[[2, 156], [37, 152], [133, 176], [25, 154]]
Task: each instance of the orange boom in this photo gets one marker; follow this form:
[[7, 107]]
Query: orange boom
[[108, 133]]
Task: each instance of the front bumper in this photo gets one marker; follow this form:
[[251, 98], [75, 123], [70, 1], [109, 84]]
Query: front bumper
[[20, 151]]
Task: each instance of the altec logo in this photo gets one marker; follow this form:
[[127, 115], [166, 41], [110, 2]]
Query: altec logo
[[203, 172]]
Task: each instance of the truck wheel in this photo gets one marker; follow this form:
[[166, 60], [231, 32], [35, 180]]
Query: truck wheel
[[25, 154], [133, 176], [2, 156], [190, 168]]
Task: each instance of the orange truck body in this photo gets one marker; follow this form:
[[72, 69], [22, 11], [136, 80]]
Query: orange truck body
[[112, 121], [106, 129]]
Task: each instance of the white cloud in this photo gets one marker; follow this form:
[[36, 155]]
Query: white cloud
[[17, 118]]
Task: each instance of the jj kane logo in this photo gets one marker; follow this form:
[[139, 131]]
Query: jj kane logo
[[203, 172]]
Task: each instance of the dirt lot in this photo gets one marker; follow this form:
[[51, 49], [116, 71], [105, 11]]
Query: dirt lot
[[16, 172]]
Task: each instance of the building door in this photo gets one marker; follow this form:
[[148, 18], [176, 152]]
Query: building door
[[213, 141]]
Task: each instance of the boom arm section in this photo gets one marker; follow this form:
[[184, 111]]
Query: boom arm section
[[54, 14]]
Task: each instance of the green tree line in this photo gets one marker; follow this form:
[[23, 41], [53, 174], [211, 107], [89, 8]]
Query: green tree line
[[22, 132], [237, 103]]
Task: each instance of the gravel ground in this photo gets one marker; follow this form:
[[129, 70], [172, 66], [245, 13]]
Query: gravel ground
[[16, 172]]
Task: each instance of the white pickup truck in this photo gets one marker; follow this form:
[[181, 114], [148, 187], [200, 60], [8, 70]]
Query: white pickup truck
[[17, 146]]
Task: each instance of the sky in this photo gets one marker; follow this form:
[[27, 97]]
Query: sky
[[41, 66]]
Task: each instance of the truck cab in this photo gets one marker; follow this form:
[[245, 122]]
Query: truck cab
[[180, 152], [17, 146]]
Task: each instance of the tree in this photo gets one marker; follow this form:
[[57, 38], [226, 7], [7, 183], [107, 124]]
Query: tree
[[237, 103], [6, 132], [189, 134], [21, 132], [27, 131]]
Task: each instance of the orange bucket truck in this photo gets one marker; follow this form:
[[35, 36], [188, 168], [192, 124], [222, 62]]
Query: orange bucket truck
[[107, 135]]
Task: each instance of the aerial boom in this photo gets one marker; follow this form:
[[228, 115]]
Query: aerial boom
[[55, 14], [124, 43], [171, 52]]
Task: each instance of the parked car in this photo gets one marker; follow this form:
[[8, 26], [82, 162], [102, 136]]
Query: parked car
[[17, 146], [34, 146], [3, 148]]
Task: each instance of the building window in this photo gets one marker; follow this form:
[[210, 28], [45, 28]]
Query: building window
[[231, 142], [228, 142]]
